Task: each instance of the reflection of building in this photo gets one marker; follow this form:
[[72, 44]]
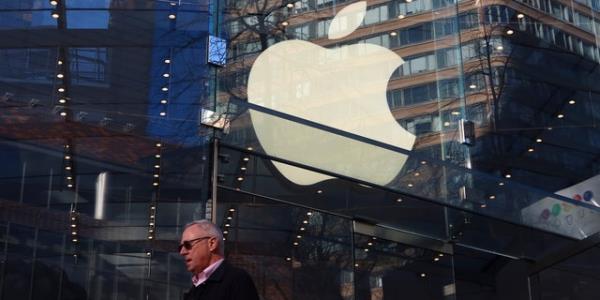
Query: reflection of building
[[102, 158], [503, 48]]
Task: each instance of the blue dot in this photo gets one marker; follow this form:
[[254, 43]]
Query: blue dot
[[588, 195]]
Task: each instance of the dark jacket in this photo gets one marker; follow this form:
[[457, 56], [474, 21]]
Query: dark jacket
[[226, 283]]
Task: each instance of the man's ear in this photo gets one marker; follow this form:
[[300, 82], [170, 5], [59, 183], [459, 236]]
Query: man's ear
[[213, 244]]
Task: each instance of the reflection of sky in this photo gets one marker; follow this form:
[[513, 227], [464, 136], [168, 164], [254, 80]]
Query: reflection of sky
[[183, 41], [87, 19]]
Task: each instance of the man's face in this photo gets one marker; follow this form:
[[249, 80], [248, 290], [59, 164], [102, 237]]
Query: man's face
[[198, 256]]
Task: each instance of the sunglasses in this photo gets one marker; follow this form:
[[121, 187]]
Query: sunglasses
[[190, 243]]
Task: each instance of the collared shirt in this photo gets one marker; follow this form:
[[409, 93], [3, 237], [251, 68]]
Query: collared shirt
[[201, 277]]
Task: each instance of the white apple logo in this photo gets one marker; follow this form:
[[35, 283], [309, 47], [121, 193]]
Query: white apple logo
[[343, 88]]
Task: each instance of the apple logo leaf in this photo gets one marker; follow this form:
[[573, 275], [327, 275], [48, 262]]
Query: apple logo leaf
[[347, 20]]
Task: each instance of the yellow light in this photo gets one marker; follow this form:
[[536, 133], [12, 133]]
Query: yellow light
[[290, 5]]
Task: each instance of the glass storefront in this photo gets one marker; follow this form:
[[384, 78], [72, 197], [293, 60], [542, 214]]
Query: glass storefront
[[430, 149]]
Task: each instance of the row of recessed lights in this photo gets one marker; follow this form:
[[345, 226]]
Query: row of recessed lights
[[156, 186], [301, 231], [165, 89], [74, 229], [227, 222]]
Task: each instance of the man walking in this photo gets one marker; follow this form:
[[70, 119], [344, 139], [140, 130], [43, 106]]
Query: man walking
[[213, 278]]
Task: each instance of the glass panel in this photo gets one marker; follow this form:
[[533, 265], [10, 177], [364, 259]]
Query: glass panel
[[392, 270], [290, 252]]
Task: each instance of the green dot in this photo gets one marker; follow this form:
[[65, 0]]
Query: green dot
[[556, 209]]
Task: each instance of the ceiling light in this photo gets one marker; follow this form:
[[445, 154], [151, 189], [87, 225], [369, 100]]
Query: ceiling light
[[571, 101], [500, 183], [165, 89], [520, 16], [446, 124], [158, 145], [60, 62], [302, 228], [62, 101], [309, 213], [152, 207], [399, 200], [172, 16], [73, 232], [295, 243], [243, 168], [69, 185], [370, 244], [227, 225], [61, 90], [157, 155], [305, 222], [163, 101], [436, 259], [54, 2], [423, 274], [167, 61], [69, 177], [510, 32], [285, 23], [483, 206], [538, 140], [162, 113], [232, 209], [60, 75], [401, 16], [417, 174], [229, 218], [455, 113], [366, 249], [560, 116], [67, 157], [507, 175], [472, 86], [409, 1], [299, 236], [246, 159], [530, 150], [500, 48], [155, 184], [288, 258], [73, 225], [150, 237], [410, 185], [63, 113], [423, 162], [157, 166], [55, 15], [492, 197], [74, 240], [225, 232], [240, 178], [393, 33], [166, 75], [319, 192]]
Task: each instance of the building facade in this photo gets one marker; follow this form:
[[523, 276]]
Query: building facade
[[469, 169]]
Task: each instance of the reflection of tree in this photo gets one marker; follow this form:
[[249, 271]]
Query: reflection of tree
[[252, 27]]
